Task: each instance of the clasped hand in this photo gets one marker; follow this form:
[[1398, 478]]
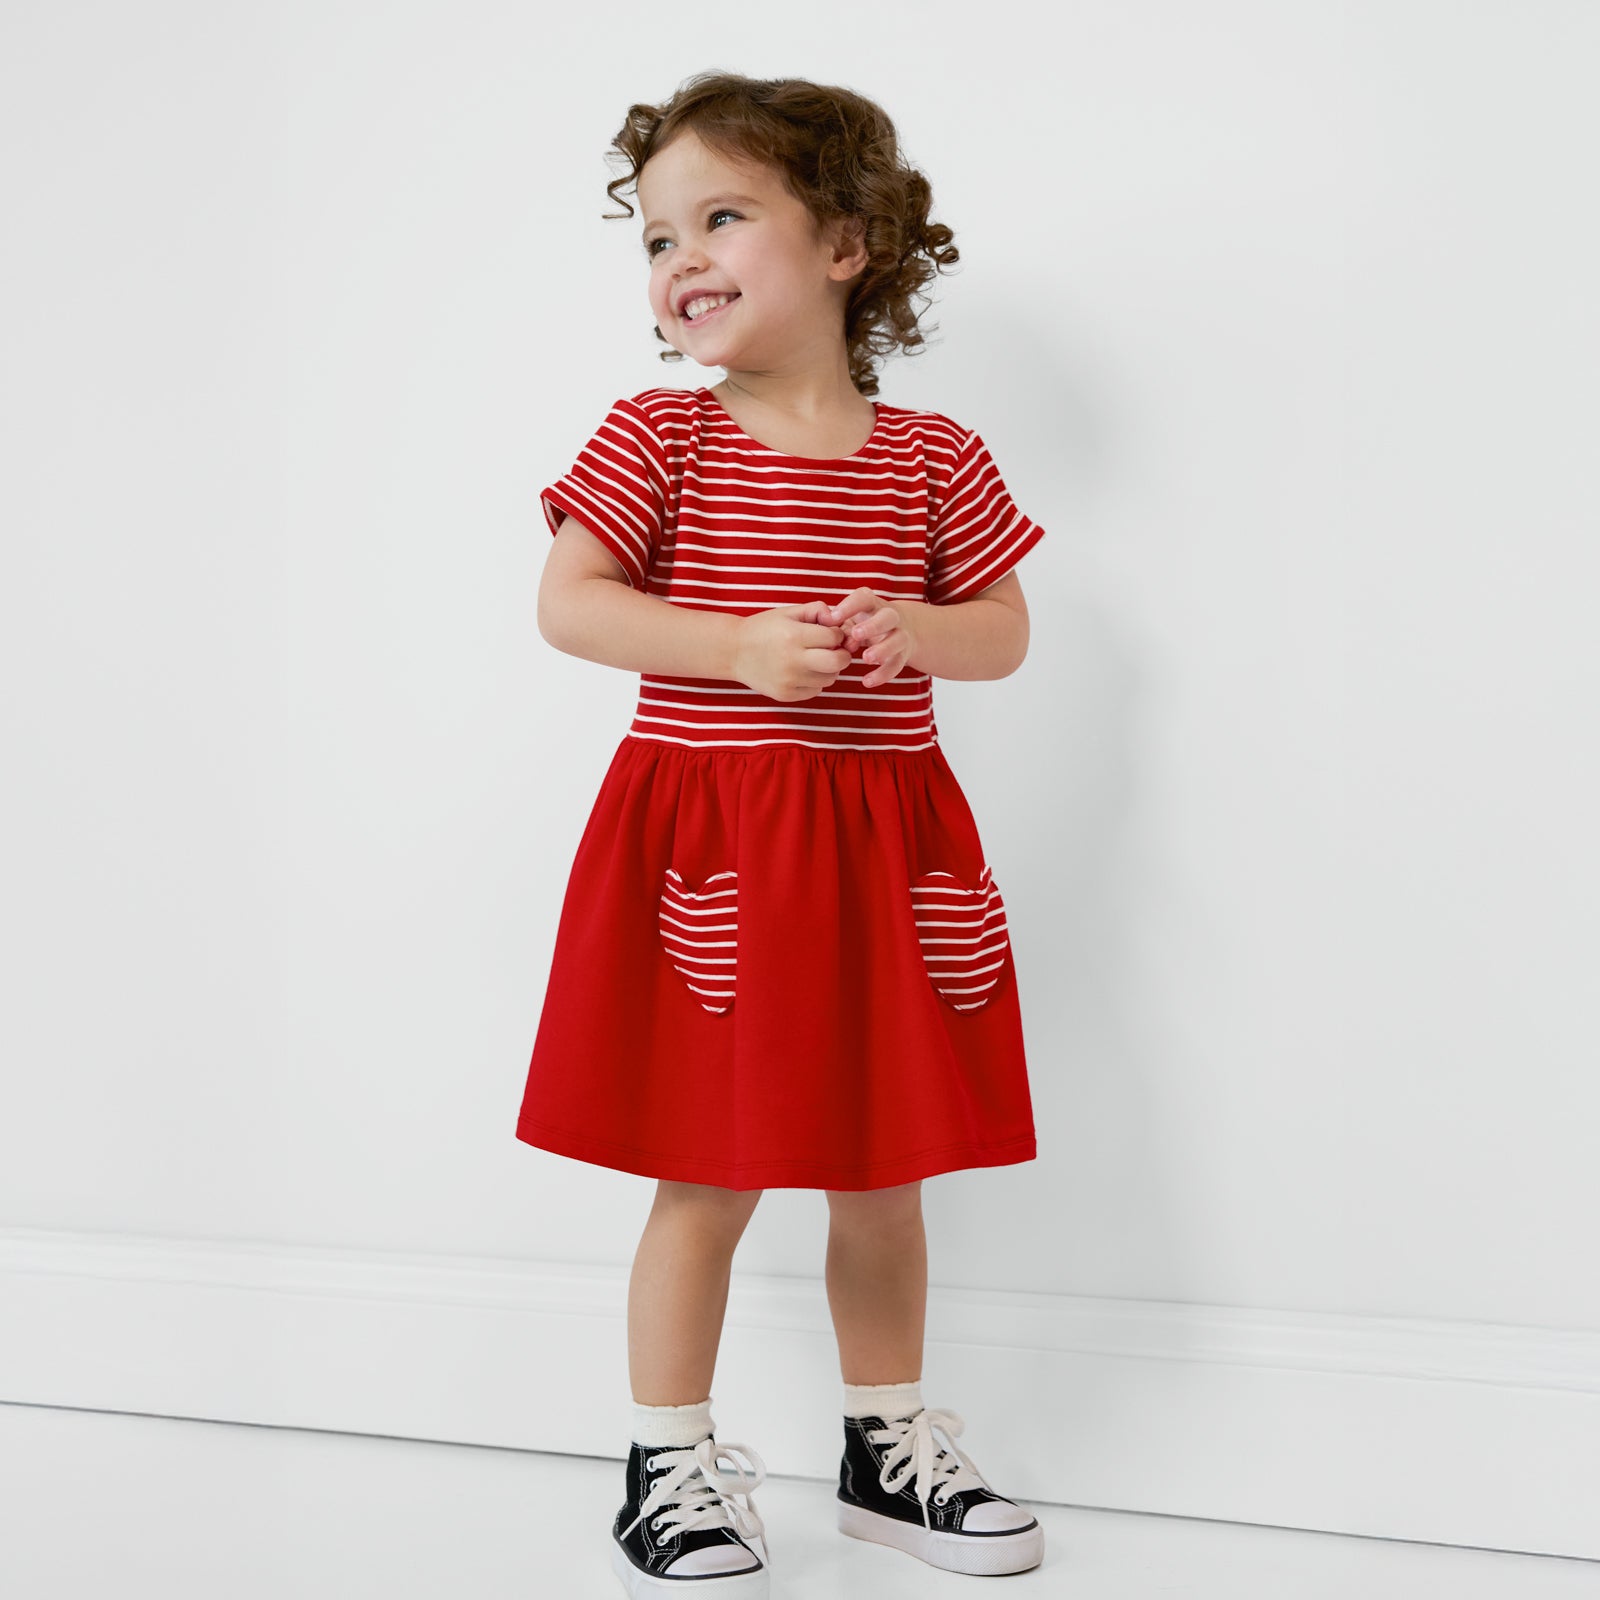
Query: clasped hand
[[795, 652]]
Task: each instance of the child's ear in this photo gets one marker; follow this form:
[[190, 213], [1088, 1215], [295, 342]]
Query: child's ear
[[850, 245]]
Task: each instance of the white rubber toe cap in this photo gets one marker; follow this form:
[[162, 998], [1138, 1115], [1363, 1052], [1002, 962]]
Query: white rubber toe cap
[[713, 1558], [996, 1516]]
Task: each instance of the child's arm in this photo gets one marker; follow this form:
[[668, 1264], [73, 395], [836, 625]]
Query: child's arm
[[588, 608], [984, 637]]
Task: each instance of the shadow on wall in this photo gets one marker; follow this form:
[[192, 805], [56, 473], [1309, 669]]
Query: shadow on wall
[[1049, 759]]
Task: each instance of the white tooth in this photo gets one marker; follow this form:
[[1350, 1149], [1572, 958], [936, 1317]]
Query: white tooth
[[696, 308]]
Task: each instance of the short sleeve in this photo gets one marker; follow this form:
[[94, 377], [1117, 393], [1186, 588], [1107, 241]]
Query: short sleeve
[[980, 533], [617, 488]]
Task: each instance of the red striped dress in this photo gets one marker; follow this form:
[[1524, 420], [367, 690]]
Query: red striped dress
[[782, 959]]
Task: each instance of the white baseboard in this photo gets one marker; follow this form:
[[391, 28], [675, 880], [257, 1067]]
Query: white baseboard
[[1446, 1432]]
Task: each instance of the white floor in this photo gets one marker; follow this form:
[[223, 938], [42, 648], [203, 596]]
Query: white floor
[[105, 1504]]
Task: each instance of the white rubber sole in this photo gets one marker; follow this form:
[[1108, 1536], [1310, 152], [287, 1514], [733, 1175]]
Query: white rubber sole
[[956, 1552], [715, 1586]]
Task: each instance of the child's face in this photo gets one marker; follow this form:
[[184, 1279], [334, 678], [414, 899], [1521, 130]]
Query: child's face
[[764, 247]]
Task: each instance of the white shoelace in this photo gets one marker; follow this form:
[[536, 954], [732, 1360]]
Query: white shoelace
[[940, 1471], [701, 1497]]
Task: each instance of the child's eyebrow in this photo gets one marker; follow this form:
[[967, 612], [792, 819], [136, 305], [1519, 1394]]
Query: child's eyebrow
[[711, 200]]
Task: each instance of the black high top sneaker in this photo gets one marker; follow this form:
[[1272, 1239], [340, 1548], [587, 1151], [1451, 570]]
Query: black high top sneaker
[[898, 1486], [681, 1532]]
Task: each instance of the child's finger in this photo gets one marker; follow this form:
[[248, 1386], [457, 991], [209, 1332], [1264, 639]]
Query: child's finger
[[858, 600], [878, 648]]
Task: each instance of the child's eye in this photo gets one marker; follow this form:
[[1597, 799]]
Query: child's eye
[[650, 248]]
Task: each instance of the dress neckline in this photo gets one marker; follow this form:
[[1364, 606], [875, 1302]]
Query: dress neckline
[[821, 461]]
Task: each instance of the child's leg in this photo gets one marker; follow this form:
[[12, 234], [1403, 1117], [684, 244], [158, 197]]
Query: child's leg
[[877, 1276], [896, 1480], [678, 1291]]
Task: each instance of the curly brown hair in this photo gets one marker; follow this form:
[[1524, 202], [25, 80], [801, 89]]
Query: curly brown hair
[[838, 154]]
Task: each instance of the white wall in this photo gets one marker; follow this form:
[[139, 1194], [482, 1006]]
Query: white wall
[[1280, 320]]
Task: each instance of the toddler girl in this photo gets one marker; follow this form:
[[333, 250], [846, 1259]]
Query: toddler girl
[[782, 959]]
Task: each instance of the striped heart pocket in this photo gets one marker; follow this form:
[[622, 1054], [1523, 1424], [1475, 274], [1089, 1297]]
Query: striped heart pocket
[[700, 933], [963, 935]]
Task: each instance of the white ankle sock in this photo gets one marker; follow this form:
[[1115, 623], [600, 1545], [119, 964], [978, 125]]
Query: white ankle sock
[[883, 1399], [676, 1427]]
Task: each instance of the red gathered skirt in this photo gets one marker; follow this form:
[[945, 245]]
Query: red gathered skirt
[[780, 967]]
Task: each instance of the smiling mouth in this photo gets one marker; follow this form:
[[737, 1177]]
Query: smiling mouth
[[706, 316]]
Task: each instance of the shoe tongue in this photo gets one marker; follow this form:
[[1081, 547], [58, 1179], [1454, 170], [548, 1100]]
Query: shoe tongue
[[647, 1451]]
